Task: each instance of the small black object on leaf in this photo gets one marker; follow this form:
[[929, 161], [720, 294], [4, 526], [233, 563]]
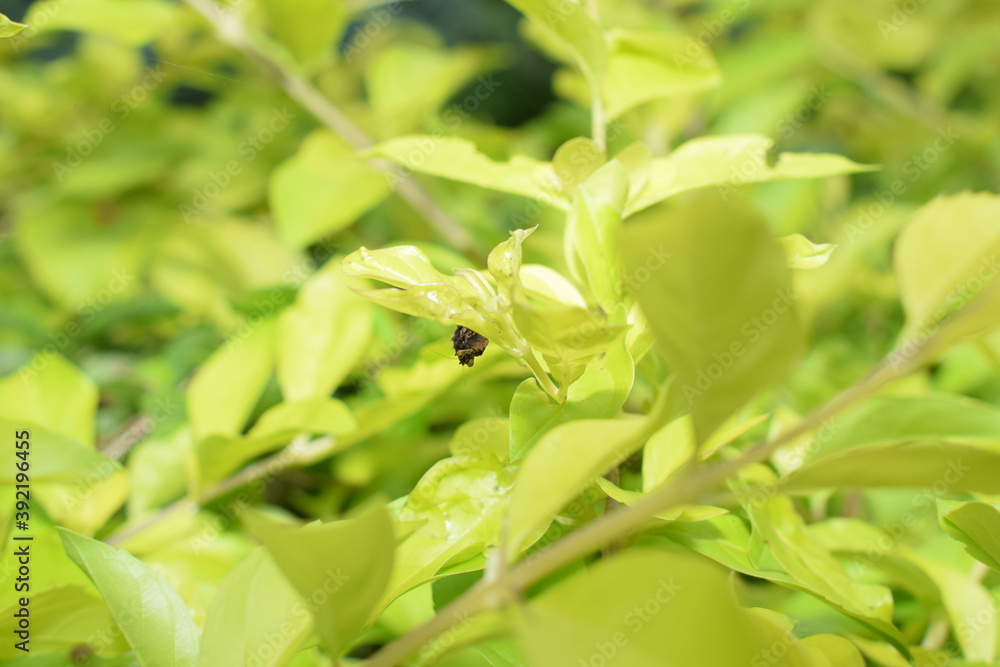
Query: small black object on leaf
[[468, 345]]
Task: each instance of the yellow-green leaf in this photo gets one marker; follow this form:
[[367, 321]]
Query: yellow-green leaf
[[720, 305], [10, 28], [340, 568], [322, 189]]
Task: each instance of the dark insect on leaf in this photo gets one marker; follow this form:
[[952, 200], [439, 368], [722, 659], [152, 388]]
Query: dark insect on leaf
[[468, 345]]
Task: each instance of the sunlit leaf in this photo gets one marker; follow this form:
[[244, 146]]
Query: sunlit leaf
[[406, 81], [570, 22], [323, 188], [642, 607], [568, 337], [728, 162], [803, 253], [646, 65], [459, 160], [779, 535], [10, 28], [965, 600], [220, 455], [977, 526], [458, 506], [256, 617], [63, 617], [720, 304], [225, 389], [323, 336], [673, 446], [566, 460], [678, 513], [598, 394], [50, 392], [134, 22], [592, 231], [942, 439], [309, 29], [832, 651], [339, 568], [945, 256], [575, 161], [56, 458], [153, 618]]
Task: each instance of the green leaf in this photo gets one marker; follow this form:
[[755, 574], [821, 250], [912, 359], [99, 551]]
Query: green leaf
[[458, 506], [10, 28], [56, 458], [460, 160], [340, 568], [560, 466], [670, 448], [226, 388], [592, 231], [887, 419], [646, 66], [156, 469], [312, 415], [729, 162], [322, 189], [566, 460], [504, 264], [153, 618], [220, 455], [546, 285], [323, 336], [721, 303], [642, 607], [569, 21], [777, 633], [310, 29], [52, 393], [568, 337], [945, 256], [208, 268], [256, 617], [89, 501], [803, 253], [942, 438], [598, 394], [832, 651], [406, 81], [676, 513], [62, 617], [575, 161], [465, 299], [667, 451], [977, 526], [133, 22], [965, 600], [50, 234], [779, 535]]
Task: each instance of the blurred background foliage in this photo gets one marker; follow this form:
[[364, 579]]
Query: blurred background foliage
[[159, 190], [129, 248]]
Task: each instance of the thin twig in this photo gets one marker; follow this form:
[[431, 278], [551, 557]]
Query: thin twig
[[230, 29], [301, 451]]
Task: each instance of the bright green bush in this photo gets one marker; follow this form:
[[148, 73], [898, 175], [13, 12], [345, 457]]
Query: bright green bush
[[738, 400]]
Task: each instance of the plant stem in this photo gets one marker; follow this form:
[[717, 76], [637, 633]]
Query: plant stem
[[300, 451], [598, 124], [598, 129], [231, 30], [543, 378]]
